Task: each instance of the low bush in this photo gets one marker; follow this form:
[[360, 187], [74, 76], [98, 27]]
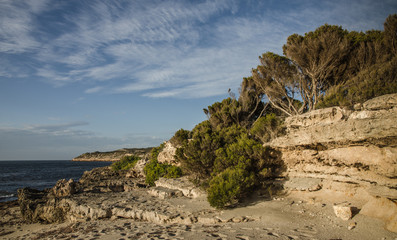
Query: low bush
[[267, 128], [125, 163], [229, 187], [154, 170]]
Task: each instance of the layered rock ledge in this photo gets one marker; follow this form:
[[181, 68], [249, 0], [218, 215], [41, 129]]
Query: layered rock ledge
[[335, 152]]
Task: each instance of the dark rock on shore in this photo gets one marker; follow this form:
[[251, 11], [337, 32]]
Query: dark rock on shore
[[53, 205]]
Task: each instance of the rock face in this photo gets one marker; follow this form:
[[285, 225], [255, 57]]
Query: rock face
[[181, 184], [56, 204], [349, 153], [112, 155], [167, 154], [103, 193]]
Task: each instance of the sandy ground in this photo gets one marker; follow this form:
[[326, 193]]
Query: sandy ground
[[282, 218]]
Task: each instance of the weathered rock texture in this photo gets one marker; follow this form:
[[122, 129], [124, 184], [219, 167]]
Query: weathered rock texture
[[112, 155], [103, 193], [167, 154], [353, 153]]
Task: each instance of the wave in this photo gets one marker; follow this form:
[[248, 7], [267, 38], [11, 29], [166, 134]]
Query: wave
[[7, 196]]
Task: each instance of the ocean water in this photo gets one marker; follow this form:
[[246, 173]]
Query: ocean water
[[38, 174]]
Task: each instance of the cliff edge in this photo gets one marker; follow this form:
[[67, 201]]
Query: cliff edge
[[344, 155]]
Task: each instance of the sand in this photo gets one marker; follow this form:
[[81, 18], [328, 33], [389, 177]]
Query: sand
[[258, 218]]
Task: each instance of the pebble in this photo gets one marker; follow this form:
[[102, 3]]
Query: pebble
[[352, 225]]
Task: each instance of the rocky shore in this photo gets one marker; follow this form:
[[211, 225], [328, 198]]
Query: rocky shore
[[339, 183], [105, 204]]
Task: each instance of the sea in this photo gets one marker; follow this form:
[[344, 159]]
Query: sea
[[39, 174]]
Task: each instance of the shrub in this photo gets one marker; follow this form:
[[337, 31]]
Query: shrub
[[267, 128], [198, 155], [125, 163], [244, 153], [181, 137], [154, 170], [374, 81], [229, 187]]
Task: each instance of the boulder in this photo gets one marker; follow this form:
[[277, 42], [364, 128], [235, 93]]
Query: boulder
[[167, 154], [40, 206], [64, 188], [164, 193], [384, 209], [182, 184], [343, 211], [383, 102]]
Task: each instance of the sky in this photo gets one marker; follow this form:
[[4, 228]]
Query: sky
[[89, 75]]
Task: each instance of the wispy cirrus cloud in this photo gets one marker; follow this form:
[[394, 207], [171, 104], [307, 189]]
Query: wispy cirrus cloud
[[17, 25], [165, 48]]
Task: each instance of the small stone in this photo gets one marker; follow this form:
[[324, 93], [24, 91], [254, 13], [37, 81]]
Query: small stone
[[237, 219], [352, 225], [343, 211]]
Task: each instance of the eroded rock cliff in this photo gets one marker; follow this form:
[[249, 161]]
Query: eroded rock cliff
[[343, 154]]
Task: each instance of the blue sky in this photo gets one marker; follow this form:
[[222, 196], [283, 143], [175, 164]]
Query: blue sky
[[79, 76]]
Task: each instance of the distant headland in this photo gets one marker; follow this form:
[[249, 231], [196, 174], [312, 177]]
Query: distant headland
[[111, 156]]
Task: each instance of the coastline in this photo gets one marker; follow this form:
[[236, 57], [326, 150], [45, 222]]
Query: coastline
[[279, 218], [105, 204], [93, 160]]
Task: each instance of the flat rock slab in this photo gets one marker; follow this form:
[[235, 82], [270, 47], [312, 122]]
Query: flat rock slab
[[303, 184]]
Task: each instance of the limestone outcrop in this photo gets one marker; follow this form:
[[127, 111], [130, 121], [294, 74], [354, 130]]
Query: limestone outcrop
[[167, 154], [103, 193], [347, 153]]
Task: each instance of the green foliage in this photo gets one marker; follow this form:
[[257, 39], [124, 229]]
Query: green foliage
[[156, 151], [229, 187], [278, 78], [375, 81], [225, 113], [390, 32], [244, 153], [322, 57], [197, 156], [251, 103], [125, 163], [180, 137], [154, 170], [267, 128], [226, 160]]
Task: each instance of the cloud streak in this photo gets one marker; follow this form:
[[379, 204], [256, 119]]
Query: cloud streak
[[163, 48]]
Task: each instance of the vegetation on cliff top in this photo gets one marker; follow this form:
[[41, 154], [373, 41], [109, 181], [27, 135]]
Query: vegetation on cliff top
[[326, 67]]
